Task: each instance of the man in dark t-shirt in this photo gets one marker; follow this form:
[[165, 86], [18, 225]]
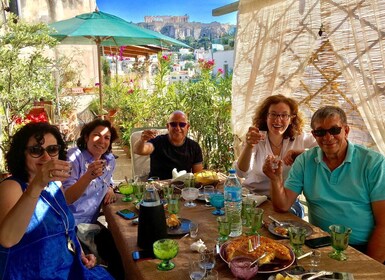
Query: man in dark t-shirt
[[172, 150]]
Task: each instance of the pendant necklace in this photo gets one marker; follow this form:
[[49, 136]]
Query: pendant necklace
[[70, 244]]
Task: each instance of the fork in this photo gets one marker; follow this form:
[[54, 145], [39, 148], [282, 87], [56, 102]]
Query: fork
[[315, 274], [276, 221]]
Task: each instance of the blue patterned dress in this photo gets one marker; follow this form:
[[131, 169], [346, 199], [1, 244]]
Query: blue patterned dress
[[43, 253]]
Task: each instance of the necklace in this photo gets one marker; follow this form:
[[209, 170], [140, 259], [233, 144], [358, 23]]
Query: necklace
[[276, 146], [66, 223]]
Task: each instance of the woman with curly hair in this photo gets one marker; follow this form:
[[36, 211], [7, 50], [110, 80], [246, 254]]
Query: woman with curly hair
[[279, 117], [37, 230]]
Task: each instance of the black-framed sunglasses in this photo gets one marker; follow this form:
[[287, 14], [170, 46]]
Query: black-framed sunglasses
[[37, 151], [322, 132], [175, 124]]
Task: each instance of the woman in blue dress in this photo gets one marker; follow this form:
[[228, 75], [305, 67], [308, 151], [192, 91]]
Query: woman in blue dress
[[37, 230]]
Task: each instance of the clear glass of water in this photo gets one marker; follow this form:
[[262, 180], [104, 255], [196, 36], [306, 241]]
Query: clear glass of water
[[196, 271]]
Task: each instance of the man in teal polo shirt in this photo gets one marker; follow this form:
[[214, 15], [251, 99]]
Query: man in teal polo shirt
[[343, 183]]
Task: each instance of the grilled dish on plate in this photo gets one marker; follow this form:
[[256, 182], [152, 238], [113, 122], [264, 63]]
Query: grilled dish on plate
[[279, 256]]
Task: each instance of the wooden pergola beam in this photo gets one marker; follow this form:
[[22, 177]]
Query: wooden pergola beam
[[132, 51], [232, 7]]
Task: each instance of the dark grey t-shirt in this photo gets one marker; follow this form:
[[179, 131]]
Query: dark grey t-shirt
[[166, 156]]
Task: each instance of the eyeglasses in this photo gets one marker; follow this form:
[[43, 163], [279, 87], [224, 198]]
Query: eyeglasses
[[175, 124], [322, 132], [284, 117], [38, 151]]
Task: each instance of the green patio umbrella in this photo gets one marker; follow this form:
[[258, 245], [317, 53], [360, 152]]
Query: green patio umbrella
[[102, 29]]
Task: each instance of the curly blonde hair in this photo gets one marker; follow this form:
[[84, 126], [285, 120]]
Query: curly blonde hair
[[260, 117]]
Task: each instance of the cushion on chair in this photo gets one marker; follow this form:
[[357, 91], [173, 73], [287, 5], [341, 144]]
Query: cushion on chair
[[141, 164]]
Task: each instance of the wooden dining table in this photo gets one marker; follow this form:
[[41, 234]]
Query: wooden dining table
[[125, 235]]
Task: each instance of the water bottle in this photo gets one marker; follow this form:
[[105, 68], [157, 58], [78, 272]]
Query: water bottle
[[233, 203]]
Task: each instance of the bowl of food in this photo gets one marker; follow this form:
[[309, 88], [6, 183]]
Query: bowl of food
[[206, 177]]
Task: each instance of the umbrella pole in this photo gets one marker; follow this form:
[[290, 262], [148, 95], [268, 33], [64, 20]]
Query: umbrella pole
[[100, 78]]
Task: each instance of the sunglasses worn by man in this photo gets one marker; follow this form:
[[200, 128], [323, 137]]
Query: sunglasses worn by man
[[322, 132], [175, 124], [37, 151]]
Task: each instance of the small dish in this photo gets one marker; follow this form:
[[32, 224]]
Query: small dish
[[182, 229], [281, 231]]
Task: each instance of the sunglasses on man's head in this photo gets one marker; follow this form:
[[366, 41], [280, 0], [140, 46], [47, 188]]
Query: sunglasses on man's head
[[322, 132], [175, 124], [38, 151]]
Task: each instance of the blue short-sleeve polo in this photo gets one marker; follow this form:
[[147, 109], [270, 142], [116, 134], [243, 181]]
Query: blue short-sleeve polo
[[344, 195]]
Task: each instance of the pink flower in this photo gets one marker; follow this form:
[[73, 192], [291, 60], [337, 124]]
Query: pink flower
[[220, 71]]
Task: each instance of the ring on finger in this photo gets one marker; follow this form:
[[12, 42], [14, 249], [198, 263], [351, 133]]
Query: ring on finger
[[50, 174], [248, 137]]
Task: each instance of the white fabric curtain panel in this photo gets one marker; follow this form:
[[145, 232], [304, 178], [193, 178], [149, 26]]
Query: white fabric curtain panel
[[318, 52]]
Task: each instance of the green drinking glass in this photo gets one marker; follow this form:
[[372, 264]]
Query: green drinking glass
[[340, 240], [254, 220], [224, 228], [173, 204], [297, 239], [126, 189], [165, 250]]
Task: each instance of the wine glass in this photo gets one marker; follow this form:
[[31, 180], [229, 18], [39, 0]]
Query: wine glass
[[242, 269], [165, 250], [207, 192], [340, 240], [190, 194], [196, 272], [218, 201], [126, 189]]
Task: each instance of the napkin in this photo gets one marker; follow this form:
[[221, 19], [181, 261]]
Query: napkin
[[198, 246], [259, 199], [176, 174]]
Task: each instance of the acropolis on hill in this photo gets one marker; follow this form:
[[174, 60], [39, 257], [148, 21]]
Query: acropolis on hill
[[166, 19]]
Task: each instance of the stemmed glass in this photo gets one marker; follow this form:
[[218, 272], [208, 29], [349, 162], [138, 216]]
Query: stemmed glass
[[218, 201], [224, 228], [139, 188], [126, 189], [297, 239], [254, 220], [190, 194], [340, 240], [165, 250]]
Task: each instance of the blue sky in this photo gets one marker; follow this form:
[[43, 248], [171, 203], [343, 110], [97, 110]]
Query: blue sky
[[198, 10]]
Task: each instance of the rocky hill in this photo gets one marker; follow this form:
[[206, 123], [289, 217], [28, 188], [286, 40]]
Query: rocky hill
[[197, 30]]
